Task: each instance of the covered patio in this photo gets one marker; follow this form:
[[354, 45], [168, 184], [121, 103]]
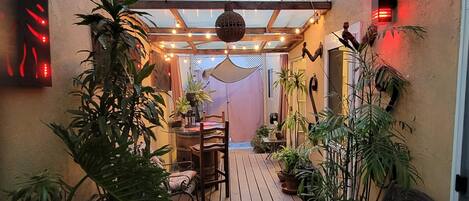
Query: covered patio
[[248, 100]]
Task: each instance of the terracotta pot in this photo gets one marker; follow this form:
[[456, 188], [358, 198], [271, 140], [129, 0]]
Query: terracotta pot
[[281, 176], [279, 135], [290, 186]]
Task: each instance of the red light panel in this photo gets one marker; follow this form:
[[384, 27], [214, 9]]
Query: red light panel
[[383, 10], [25, 49]]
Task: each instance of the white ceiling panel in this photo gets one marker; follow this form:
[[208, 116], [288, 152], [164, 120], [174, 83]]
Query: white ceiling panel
[[161, 17], [293, 18]]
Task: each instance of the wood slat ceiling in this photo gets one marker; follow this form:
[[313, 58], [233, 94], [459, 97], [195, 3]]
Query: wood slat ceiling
[[289, 37]]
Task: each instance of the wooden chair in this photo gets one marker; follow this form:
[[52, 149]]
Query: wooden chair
[[207, 145], [217, 118]]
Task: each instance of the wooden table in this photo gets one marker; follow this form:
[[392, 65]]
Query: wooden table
[[274, 145], [187, 137]]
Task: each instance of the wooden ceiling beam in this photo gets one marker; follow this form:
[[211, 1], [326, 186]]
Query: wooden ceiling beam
[[222, 52], [272, 20], [185, 38], [253, 30], [244, 5], [179, 18]]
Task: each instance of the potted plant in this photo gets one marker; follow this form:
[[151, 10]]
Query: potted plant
[[293, 83], [291, 160], [181, 109], [196, 95], [116, 110], [44, 186], [364, 147], [257, 144]]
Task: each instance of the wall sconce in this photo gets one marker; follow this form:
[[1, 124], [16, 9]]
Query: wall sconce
[[383, 10]]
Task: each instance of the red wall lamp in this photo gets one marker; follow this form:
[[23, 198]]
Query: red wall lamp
[[383, 10]]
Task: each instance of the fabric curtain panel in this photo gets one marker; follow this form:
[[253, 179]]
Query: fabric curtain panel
[[176, 84], [283, 110]]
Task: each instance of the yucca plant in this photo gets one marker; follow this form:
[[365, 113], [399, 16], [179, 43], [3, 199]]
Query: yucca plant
[[116, 109], [365, 146]]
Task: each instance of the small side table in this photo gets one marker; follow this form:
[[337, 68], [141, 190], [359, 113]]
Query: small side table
[[274, 144]]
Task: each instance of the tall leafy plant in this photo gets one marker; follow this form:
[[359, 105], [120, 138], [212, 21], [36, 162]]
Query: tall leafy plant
[[116, 109], [366, 146], [293, 83]]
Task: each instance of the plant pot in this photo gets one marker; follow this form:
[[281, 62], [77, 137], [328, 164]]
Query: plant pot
[[290, 186], [279, 135], [281, 176], [191, 98]]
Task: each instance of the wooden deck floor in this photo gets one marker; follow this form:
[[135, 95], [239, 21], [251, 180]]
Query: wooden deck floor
[[253, 178]]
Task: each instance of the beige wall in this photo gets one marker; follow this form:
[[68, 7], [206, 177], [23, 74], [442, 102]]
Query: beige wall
[[431, 67]]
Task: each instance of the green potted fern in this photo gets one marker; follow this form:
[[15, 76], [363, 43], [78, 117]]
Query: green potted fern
[[291, 160]]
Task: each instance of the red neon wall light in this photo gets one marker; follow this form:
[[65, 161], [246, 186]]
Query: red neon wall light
[[383, 10], [25, 47]]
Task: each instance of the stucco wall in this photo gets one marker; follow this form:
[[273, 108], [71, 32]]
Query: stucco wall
[[26, 144], [431, 67]]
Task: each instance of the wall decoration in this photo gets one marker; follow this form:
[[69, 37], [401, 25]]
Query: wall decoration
[[382, 10], [25, 47]]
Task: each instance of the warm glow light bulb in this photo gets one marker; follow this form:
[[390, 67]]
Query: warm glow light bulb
[[185, 61], [213, 58], [233, 47], [208, 36], [282, 38], [226, 51], [244, 47], [178, 25], [269, 43], [297, 31], [174, 31], [173, 45], [256, 47], [189, 34], [171, 55], [311, 20]]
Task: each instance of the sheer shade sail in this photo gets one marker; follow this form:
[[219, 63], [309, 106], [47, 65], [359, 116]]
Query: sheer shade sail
[[228, 72]]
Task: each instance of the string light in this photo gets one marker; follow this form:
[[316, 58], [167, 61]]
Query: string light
[[226, 51], [199, 61], [256, 47], [269, 43], [244, 47], [174, 31], [297, 31], [185, 61], [233, 47], [282, 38], [311, 20], [173, 45], [162, 45], [213, 58], [189, 34], [171, 55], [208, 36]]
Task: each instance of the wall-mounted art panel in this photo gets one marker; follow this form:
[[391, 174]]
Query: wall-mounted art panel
[[24, 43]]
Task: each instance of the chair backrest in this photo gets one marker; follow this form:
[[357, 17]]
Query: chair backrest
[[219, 133], [215, 118]]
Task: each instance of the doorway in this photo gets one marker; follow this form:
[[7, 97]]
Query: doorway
[[460, 163]]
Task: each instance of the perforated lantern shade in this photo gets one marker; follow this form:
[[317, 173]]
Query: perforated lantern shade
[[230, 26]]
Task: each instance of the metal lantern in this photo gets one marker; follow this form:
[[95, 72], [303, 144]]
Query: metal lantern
[[230, 26]]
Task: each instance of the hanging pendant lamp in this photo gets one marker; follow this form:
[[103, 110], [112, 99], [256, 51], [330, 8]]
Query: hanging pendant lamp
[[230, 26]]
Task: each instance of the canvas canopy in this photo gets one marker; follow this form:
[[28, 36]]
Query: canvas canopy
[[228, 72]]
